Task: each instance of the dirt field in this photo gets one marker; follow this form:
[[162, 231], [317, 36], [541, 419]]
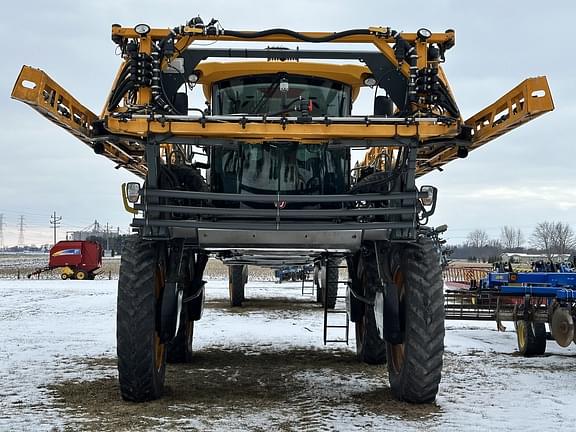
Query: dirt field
[[18, 265], [269, 391]]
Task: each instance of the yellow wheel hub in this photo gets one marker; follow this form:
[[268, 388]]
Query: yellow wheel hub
[[522, 334]]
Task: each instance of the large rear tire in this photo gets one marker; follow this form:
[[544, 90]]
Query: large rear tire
[[180, 348], [328, 281], [415, 366], [237, 276], [370, 347], [141, 355]]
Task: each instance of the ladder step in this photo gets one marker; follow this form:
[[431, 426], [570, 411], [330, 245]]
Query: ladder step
[[339, 326]]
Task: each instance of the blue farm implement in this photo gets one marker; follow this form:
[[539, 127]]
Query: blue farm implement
[[530, 300]]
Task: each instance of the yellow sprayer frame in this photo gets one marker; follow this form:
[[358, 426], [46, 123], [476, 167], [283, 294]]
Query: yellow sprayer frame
[[124, 144]]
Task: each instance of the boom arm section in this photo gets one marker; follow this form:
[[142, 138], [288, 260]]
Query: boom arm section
[[35, 88], [530, 99]]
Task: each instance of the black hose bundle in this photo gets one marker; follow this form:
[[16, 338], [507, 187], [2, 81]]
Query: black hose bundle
[[136, 72], [381, 181], [296, 35]]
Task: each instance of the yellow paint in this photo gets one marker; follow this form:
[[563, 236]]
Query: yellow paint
[[350, 74], [523, 103]]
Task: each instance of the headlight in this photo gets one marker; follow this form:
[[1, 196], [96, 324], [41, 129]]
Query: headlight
[[370, 81], [423, 34], [133, 192], [142, 29], [194, 77]]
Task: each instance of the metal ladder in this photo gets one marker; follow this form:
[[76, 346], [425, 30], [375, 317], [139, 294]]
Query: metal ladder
[[308, 286], [337, 319]]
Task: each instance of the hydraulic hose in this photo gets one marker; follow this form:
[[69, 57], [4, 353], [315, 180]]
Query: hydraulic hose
[[295, 35], [119, 93]]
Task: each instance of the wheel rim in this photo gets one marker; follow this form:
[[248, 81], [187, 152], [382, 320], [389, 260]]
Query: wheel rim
[[80, 275], [521, 333], [159, 347], [360, 331], [397, 355], [189, 335], [360, 324]]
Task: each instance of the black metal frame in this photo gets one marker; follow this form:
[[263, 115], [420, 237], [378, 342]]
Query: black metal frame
[[169, 214], [387, 75]]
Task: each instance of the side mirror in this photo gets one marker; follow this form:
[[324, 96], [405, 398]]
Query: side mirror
[[383, 106], [429, 200], [133, 192]]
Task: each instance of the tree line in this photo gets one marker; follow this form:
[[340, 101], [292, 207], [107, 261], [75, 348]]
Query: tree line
[[547, 238]]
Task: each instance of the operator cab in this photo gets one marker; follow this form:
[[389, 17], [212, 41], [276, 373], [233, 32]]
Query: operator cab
[[281, 166], [297, 91]]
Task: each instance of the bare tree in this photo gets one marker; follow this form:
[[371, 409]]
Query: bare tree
[[494, 243], [511, 238], [543, 238], [553, 238], [564, 238], [477, 238]]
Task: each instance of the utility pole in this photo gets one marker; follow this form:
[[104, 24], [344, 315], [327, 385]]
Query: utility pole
[[21, 233], [55, 222], [2, 225], [107, 234]]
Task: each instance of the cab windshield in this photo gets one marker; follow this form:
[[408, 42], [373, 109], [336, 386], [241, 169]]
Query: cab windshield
[[281, 94], [288, 168]]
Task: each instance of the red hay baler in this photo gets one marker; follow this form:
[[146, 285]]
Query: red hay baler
[[77, 259]]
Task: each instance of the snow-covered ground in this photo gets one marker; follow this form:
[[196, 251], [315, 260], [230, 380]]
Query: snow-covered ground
[[261, 367]]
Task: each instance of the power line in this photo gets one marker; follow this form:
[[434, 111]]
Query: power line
[[21, 232], [55, 222], [2, 231]]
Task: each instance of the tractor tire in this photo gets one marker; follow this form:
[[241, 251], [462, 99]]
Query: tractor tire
[[328, 281], [531, 338], [316, 280], [244, 280], [370, 347], [141, 355], [236, 282], [180, 348], [354, 307], [318, 276], [415, 366], [63, 276], [80, 275]]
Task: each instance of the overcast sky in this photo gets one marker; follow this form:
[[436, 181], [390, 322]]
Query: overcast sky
[[520, 179]]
